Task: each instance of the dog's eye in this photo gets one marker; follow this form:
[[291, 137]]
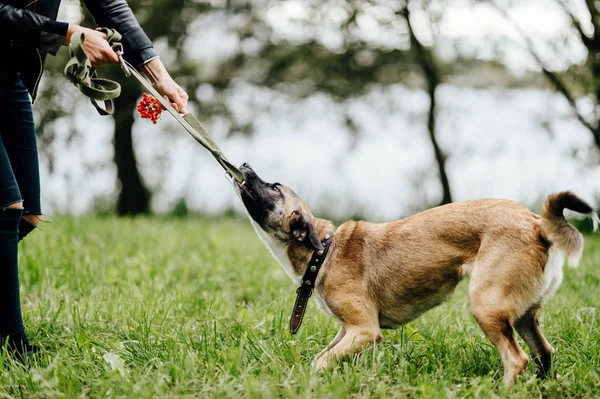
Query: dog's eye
[[274, 187]]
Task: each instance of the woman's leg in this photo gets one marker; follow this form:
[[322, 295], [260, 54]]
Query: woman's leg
[[11, 210], [19, 194], [18, 133]]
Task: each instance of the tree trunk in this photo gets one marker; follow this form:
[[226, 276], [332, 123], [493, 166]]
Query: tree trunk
[[594, 55], [440, 158], [133, 198], [427, 64]]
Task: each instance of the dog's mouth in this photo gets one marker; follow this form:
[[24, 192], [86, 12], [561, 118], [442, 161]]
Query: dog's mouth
[[247, 173], [242, 186], [258, 196], [243, 190]]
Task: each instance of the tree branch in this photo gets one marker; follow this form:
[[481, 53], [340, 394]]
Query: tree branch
[[552, 77], [591, 6], [587, 40]]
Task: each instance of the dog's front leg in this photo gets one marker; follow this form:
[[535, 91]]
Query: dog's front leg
[[333, 343], [353, 341]]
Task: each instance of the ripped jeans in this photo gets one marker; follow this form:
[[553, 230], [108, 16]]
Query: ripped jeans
[[19, 182]]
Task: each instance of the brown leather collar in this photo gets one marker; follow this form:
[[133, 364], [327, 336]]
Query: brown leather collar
[[305, 290]]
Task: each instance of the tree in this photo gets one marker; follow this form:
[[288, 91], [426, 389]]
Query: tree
[[156, 18], [340, 72], [427, 64], [298, 67]]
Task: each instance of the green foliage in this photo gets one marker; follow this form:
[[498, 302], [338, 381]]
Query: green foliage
[[150, 307]]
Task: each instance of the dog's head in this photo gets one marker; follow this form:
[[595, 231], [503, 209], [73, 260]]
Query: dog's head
[[277, 210]]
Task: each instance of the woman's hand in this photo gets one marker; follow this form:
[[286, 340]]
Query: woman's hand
[[99, 52], [162, 81], [95, 45]]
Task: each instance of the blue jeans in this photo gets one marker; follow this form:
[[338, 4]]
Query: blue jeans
[[19, 181], [19, 168]]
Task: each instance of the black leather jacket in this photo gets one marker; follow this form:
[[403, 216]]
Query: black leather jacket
[[29, 31]]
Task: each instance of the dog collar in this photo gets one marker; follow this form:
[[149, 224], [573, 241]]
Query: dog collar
[[305, 290]]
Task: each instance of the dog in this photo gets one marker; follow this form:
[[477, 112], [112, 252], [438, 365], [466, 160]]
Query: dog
[[384, 275]]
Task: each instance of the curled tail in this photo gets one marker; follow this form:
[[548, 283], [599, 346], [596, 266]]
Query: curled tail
[[560, 232]]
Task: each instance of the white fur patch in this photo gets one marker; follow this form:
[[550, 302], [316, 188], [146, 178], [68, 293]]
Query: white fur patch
[[278, 251], [574, 257], [553, 273], [280, 254], [276, 248], [595, 220]]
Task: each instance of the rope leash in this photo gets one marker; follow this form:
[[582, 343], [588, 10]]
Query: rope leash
[[79, 70]]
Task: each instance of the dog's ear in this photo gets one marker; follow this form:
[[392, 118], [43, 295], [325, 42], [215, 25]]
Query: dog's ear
[[303, 229]]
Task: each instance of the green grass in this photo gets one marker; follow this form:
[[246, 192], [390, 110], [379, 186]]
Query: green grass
[[156, 307]]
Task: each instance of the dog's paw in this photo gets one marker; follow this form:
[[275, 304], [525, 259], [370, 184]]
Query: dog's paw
[[320, 364]]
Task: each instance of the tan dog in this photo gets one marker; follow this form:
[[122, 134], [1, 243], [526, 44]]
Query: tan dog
[[385, 275]]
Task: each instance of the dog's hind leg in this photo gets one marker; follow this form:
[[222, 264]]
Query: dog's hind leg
[[498, 329], [504, 284], [529, 329], [494, 312]]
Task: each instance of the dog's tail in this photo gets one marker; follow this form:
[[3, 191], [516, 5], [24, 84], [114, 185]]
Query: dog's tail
[[560, 232]]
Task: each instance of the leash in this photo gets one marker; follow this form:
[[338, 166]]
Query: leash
[[305, 290], [79, 70]]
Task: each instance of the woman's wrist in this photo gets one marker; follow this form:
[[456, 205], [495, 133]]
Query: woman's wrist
[[155, 70], [70, 31]]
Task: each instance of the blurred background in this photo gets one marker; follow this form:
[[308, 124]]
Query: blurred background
[[367, 109]]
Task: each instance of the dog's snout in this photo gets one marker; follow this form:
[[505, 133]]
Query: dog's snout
[[248, 172]]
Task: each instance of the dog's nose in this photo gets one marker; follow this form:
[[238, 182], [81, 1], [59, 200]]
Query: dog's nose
[[246, 165]]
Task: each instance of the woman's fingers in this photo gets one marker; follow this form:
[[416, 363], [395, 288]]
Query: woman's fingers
[[172, 93], [176, 101], [112, 57], [180, 99], [173, 104], [165, 85], [97, 49]]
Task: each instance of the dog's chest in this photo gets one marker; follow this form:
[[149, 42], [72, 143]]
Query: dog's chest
[[278, 251], [321, 304], [280, 254]]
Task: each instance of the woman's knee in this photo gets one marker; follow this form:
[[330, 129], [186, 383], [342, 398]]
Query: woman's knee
[[16, 205]]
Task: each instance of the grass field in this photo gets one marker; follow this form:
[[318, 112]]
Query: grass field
[[154, 307]]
